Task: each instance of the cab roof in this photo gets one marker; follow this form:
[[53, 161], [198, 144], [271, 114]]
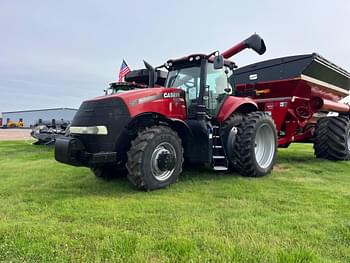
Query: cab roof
[[193, 58]]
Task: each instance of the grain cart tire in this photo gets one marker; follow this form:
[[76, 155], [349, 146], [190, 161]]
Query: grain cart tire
[[321, 138], [332, 138], [256, 146], [228, 134], [108, 172], [155, 158]]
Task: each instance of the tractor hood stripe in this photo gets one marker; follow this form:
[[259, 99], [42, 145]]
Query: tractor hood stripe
[[146, 99]]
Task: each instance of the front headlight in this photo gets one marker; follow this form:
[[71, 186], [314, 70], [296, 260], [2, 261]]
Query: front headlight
[[98, 130]]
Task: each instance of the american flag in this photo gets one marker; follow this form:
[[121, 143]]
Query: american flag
[[124, 69]]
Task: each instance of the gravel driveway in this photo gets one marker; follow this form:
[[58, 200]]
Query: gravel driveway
[[14, 134]]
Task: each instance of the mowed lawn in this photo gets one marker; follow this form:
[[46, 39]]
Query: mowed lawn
[[53, 212]]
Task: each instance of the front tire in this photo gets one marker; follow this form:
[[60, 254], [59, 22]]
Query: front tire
[[332, 138], [256, 146], [155, 158]]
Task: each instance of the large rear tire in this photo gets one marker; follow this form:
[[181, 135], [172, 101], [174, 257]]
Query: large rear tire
[[332, 138], [155, 158], [229, 131], [256, 145]]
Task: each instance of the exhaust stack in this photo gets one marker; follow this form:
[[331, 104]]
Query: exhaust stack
[[254, 42]]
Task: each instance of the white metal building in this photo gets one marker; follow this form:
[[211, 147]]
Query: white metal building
[[30, 117]]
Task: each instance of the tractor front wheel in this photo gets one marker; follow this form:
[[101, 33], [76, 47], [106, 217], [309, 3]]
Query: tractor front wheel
[[332, 138], [256, 145], [155, 158]]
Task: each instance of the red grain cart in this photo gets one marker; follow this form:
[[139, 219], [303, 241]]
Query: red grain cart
[[298, 91]]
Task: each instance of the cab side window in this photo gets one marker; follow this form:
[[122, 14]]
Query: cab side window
[[217, 83]]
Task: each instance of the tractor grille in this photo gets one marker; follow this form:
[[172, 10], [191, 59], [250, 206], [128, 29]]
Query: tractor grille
[[112, 113]]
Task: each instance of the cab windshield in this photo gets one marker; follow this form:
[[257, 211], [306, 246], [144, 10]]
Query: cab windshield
[[188, 79]]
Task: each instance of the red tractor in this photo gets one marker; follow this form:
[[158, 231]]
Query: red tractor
[[204, 111]]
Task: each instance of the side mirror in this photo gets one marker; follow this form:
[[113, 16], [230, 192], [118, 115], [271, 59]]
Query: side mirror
[[218, 62], [256, 43]]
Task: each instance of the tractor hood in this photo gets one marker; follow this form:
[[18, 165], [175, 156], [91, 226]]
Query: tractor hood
[[161, 100]]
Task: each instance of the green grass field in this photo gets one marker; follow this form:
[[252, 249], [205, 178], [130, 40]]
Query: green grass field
[[53, 212]]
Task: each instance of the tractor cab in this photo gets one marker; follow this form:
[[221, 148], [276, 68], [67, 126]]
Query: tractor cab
[[204, 81]]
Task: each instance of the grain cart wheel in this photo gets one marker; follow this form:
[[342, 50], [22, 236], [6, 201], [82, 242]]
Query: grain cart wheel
[[256, 146], [109, 172], [229, 131], [332, 138], [155, 158]]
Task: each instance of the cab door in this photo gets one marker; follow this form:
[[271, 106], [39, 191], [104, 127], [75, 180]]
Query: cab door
[[218, 87]]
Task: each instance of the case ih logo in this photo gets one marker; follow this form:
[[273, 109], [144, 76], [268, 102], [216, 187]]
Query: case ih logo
[[171, 95]]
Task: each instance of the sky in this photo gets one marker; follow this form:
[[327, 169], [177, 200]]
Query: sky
[[59, 53]]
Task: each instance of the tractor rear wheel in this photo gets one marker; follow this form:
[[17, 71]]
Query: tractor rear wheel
[[332, 138], [155, 158], [256, 145], [108, 172], [229, 131]]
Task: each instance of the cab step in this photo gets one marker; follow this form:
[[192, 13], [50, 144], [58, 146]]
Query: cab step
[[219, 160], [217, 146], [219, 157], [220, 168]]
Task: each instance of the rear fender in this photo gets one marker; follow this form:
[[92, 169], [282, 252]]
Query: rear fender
[[236, 104]]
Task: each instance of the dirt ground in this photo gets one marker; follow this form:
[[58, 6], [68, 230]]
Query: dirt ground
[[14, 134]]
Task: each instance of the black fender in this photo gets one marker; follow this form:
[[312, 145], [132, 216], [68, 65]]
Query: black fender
[[231, 139], [148, 119], [181, 126]]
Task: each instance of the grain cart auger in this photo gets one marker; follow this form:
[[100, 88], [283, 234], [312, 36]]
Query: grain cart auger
[[206, 112]]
